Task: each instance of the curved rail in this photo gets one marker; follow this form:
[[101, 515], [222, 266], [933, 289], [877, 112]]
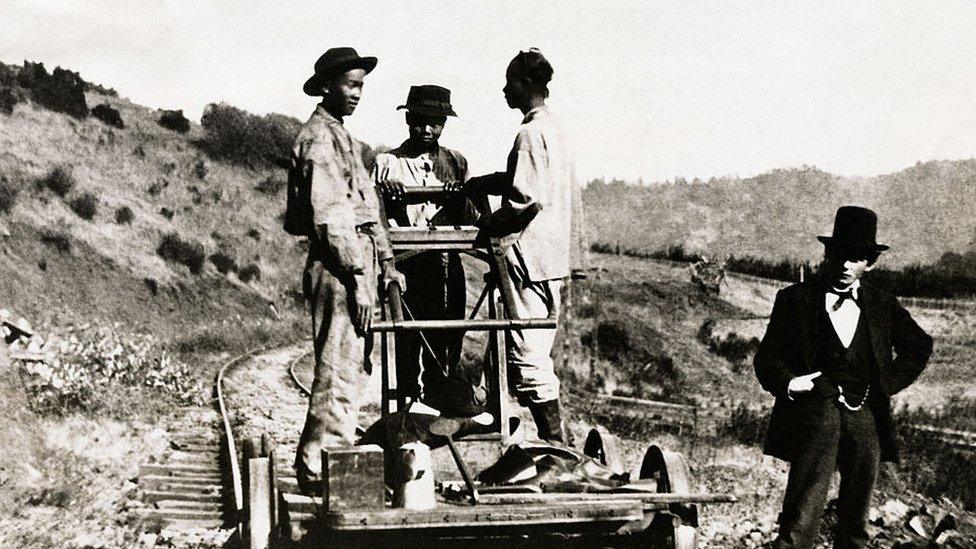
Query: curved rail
[[235, 468], [294, 377]]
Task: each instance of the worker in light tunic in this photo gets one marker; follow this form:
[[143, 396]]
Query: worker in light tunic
[[541, 203], [332, 200], [430, 371]]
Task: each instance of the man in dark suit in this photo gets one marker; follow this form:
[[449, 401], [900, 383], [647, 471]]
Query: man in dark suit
[[834, 353]]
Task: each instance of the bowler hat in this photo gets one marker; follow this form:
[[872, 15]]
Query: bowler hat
[[854, 227], [333, 62], [430, 100]]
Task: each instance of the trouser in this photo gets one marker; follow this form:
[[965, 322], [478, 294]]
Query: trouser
[[435, 291], [531, 371], [844, 441], [341, 364]]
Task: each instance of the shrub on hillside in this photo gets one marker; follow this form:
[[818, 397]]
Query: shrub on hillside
[[249, 273], [745, 426], [200, 169], [59, 239], [89, 367], [637, 357], [173, 248], [109, 115], [8, 194], [735, 349], [785, 270], [7, 100], [7, 75], [98, 88], [59, 181], [223, 262], [124, 215], [85, 205], [270, 185], [151, 285], [157, 187], [174, 120], [242, 138], [61, 91]]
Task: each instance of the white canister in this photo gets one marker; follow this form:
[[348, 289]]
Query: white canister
[[414, 479]]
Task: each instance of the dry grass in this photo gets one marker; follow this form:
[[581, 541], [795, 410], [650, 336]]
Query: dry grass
[[38, 141]]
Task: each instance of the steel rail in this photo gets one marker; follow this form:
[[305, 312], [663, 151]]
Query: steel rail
[[294, 377], [228, 433], [235, 468]]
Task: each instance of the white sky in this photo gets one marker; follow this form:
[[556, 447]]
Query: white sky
[[648, 89]]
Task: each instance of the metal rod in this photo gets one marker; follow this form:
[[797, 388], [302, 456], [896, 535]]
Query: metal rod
[[477, 306], [431, 189], [423, 339], [477, 325], [464, 470], [643, 497]]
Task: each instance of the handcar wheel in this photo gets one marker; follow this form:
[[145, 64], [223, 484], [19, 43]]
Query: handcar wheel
[[604, 447], [670, 471]]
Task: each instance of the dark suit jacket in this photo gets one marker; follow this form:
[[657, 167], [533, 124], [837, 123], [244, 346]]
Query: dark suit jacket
[[788, 349]]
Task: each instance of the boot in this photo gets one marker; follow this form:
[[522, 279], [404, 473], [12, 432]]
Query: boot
[[548, 420]]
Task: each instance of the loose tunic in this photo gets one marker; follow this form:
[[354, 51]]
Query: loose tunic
[[540, 177]]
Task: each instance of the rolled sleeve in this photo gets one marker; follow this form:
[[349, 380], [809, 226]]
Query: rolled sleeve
[[527, 165]]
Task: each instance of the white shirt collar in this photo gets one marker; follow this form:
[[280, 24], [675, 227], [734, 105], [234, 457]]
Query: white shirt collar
[[532, 114], [853, 288]]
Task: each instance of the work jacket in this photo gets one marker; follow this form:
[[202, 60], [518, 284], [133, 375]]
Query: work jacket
[[335, 201]]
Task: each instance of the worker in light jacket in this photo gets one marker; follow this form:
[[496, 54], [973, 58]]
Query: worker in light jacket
[[331, 200], [541, 204], [834, 353]]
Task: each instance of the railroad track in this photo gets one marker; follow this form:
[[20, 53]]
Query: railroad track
[[962, 440], [201, 482], [198, 484]]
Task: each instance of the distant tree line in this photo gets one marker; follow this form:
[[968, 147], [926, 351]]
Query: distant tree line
[[952, 277]]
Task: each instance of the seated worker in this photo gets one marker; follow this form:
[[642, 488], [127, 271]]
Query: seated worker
[[435, 280]]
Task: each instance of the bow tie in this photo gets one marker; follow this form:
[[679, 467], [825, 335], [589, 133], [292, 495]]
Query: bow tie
[[841, 296]]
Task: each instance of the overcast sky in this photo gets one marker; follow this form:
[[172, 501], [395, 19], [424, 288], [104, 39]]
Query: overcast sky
[[648, 89]]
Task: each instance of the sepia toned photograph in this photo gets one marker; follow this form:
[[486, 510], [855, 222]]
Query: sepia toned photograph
[[512, 274]]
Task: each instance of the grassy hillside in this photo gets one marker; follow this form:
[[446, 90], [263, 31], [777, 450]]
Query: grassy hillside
[[924, 211], [58, 266]]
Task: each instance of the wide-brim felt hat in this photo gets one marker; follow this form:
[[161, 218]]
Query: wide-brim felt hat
[[430, 100], [333, 62], [855, 227]]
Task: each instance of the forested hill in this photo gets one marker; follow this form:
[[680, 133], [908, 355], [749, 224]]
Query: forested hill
[[925, 211]]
